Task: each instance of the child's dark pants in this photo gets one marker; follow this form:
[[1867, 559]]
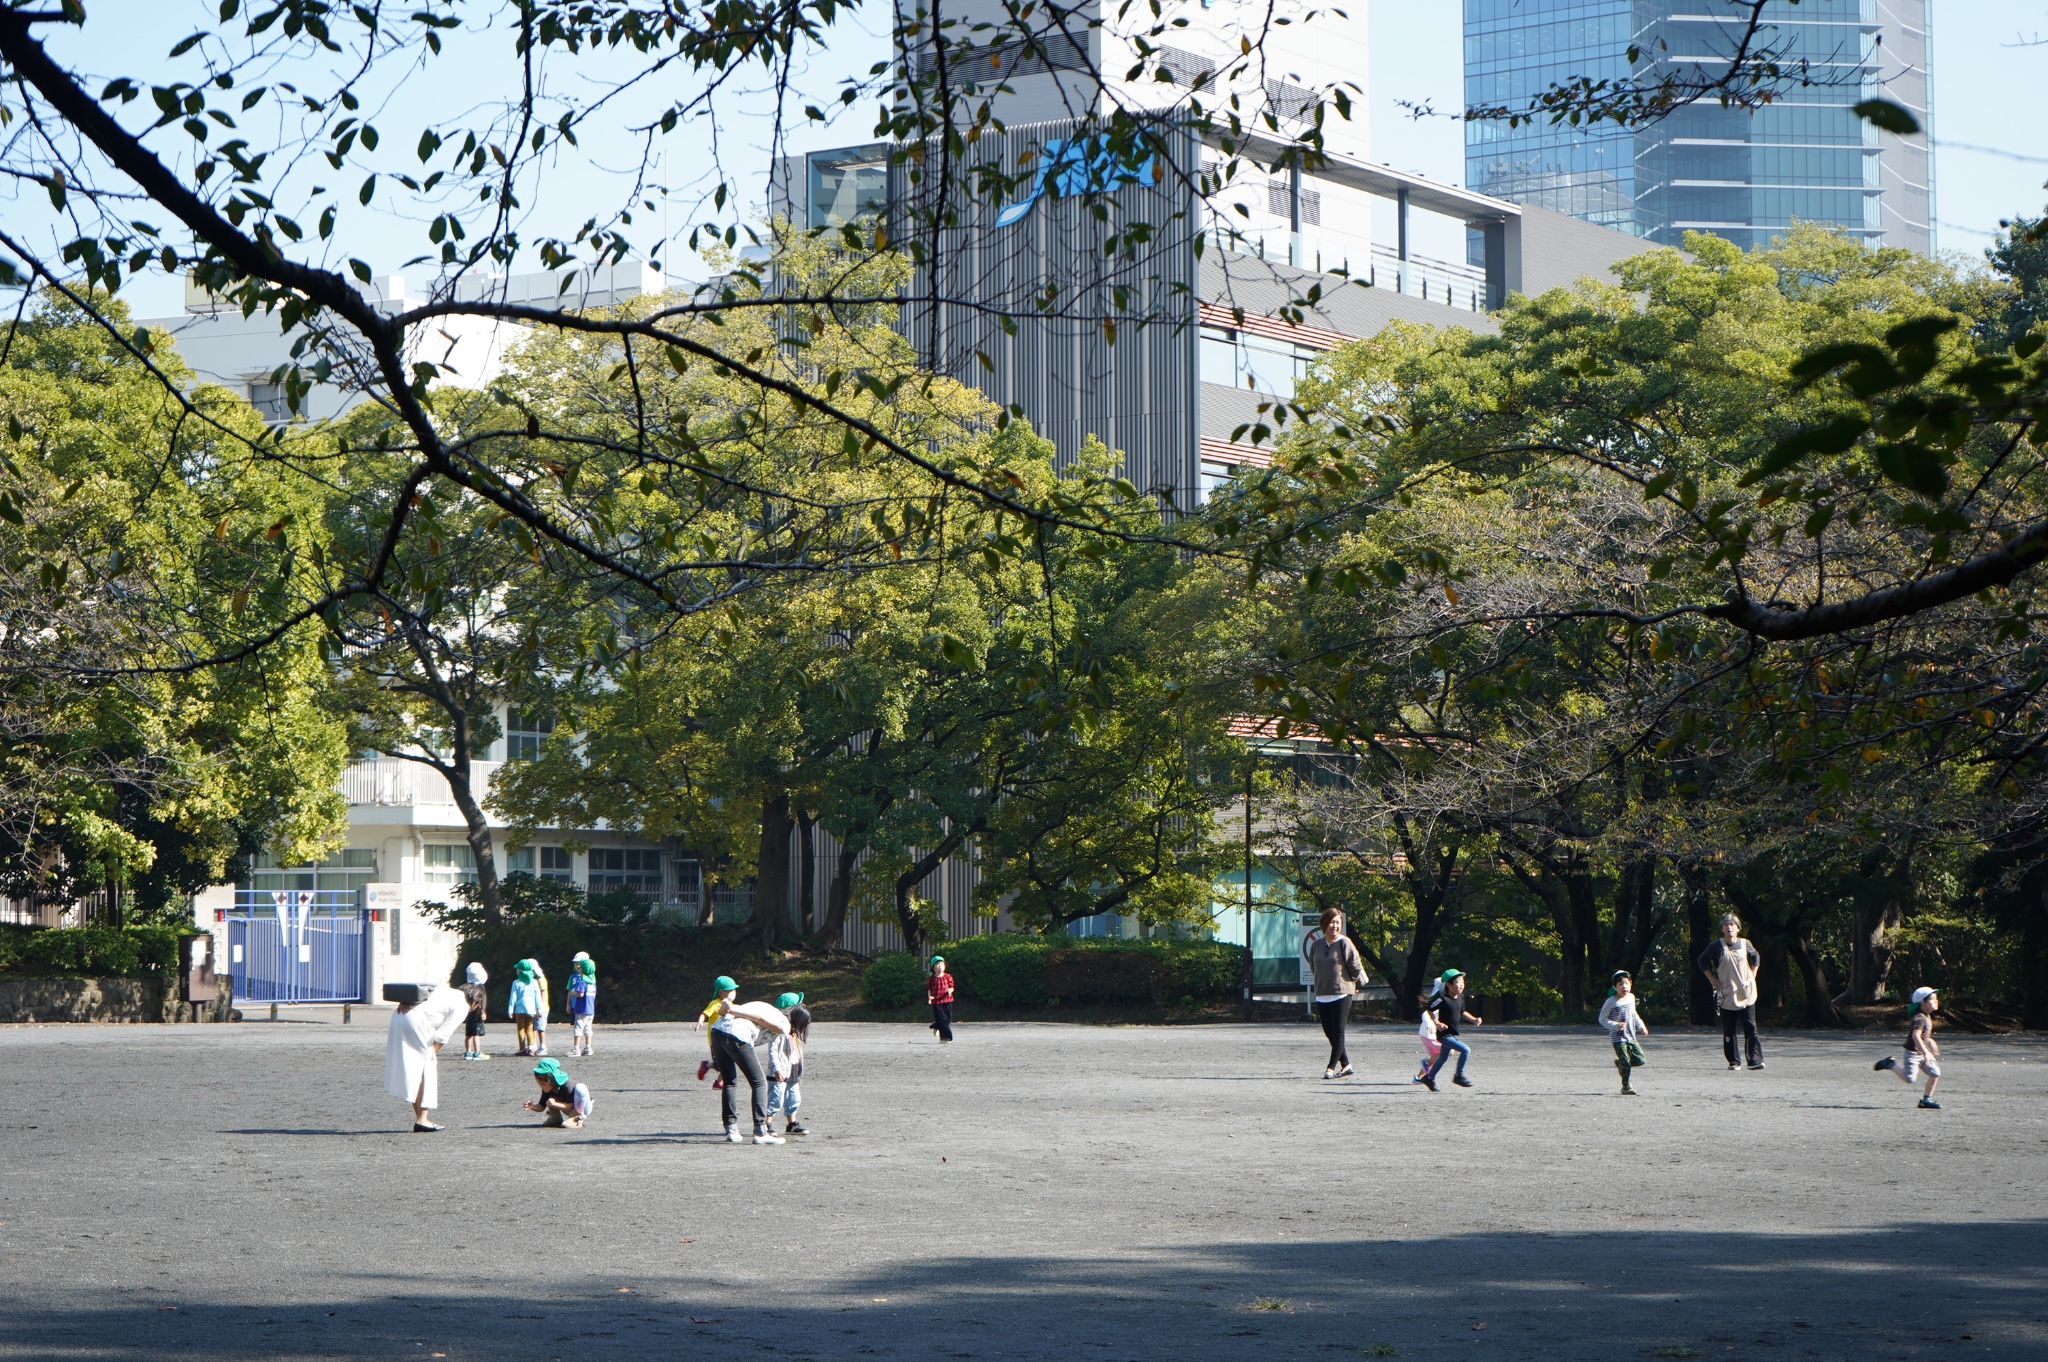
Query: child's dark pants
[[732, 1057], [942, 1020]]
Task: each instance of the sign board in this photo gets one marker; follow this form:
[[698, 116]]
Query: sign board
[[384, 898], [1310, 933]]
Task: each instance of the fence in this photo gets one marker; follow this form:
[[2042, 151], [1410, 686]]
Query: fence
[[298, 946]]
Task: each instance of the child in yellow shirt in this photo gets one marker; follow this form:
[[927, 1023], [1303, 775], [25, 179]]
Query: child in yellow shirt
[[713, 1010]]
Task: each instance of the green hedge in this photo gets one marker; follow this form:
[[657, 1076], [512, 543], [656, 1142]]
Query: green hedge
[[88, 952], [1018, 970], [645, 972]]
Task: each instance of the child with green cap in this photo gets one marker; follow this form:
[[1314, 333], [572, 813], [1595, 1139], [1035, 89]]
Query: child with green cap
[[563, 1102], [582, 1002], [786, 1065], [524, 1002], [939, 988], [725, 990], [1450, 1010], [1618, 1015]]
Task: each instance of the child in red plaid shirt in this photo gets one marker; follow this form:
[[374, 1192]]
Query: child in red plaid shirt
[[939, 988]]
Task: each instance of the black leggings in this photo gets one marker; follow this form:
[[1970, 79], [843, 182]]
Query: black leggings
[[1333, 1016], [732, 1056], [1745, 1018], [942, 1020]]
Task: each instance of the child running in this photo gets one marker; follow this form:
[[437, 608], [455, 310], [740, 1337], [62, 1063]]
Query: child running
[[524, 1002], [1922, 1051], [1430, 1044], [1450, 1010], [786, 1066], [474, 979], [726, 990], [563, 1102], [939, 988], [1618, 1015], [582, 1002]]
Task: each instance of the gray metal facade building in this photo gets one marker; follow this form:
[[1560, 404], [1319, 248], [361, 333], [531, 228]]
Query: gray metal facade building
[[1743, 175]]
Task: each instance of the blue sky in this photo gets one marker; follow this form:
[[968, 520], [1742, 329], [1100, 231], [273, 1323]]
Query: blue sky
[[1986, 84]]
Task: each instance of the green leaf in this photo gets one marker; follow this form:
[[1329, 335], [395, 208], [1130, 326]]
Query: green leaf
[[1833, 438], [1891, 117], [1916, 468]]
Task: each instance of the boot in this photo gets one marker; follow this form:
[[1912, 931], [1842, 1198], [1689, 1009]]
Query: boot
[[1621, 1067]]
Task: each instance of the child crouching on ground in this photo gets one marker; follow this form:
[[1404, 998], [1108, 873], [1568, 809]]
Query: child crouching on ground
[[1618, 1015], [726, 991], [565, 1103], [786, 1065], [582, 1002], [1922, 1051]]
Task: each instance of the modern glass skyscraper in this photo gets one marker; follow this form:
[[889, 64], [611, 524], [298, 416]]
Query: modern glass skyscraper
[[1744, 175]]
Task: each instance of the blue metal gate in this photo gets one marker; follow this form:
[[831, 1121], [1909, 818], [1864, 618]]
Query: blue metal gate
[[298, 946]]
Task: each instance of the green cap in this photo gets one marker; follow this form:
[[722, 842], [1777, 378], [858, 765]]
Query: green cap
[[789, 1000], [724, 984], [1622, 974], [938, 960], [551, 1069], [1451, 974], [524, 971]]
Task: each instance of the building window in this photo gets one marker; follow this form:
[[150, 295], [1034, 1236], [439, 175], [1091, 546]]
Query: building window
[[1215, 475], [625, 868], [549, 863], [449, 863], [269, 401], [847, 185], [525, 733], [345, 872]]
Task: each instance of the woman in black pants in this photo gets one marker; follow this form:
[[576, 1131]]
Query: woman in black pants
[[1339, 971], [733, 1038]]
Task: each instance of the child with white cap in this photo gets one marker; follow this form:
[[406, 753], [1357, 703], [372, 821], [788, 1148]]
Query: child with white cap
[[1922, 1051], [473, 980], [582, 1002]]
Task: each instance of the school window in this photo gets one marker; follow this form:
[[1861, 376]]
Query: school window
[[525, 733], [345, 872], [1214, 475], [557, 863], [449, 863], [625, 868]]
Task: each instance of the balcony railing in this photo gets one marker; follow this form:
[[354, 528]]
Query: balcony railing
[[391, 782]]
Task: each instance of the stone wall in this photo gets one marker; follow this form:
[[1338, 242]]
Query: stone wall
[[104, 1000]]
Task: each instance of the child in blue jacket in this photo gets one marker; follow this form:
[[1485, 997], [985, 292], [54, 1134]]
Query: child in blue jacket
[[582, 1002]]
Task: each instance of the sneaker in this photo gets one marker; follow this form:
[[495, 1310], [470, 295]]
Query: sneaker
[[482, 1055], [1733, 1067], [1930, 1104], [1758, 1065], [795, 1130], [1416, 1079], [1886, 1063], [769, 1137], [1629, 1092], [733, 1136], [703, 1069], [1462, 1082], [1427, 1082], [717, 1083]]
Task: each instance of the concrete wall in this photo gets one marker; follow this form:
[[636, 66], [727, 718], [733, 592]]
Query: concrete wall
[[104, 1000], [1556, 251]]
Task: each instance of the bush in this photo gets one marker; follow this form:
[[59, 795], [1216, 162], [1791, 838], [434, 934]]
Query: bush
[[894, 980], [1015, 969], [89, 952]]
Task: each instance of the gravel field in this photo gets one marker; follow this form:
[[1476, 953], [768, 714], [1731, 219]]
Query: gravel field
[[1034, 1191]]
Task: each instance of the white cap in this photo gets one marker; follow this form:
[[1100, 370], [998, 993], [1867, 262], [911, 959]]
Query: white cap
[[580, 955], [475, 973], [1922, 994]]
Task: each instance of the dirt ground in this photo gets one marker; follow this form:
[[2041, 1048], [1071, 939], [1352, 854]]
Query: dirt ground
[[1034, 1191]]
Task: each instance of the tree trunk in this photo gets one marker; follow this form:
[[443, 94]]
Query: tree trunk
[[1772, 974], [1571, 950], [907, 882], [839, 890], [1820, 1003], [1585, 901], [807, 889], [771, 871], [2034, 958], [1699, 931], [478, 829], [1870, 950]]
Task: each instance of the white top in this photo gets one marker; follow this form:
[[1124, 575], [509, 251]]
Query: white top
[[1618, 1015], [409, 1068], [1428, 1028], [744, 1022]]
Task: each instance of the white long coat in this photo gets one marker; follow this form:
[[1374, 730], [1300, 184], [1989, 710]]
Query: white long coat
[[409, 1068]]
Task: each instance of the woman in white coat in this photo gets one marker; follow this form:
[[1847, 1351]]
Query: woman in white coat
[[418, 1030]]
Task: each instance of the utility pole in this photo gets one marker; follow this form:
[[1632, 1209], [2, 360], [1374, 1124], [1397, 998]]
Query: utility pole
[[1251, 765]]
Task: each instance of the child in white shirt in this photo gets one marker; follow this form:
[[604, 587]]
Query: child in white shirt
[[1923, 1052], [1618, 1015], [1430, 1044]]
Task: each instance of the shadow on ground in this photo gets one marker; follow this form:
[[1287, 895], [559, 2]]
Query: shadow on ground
[[1977, 1290]]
